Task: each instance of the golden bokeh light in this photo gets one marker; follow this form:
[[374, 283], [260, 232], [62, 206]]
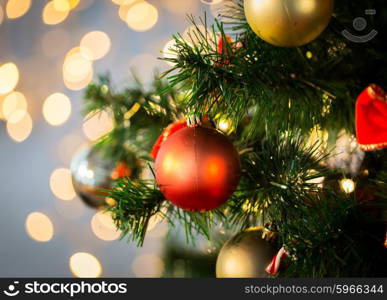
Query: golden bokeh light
[[61, 5], [65, 5], [76, 67], [148, 265], [61, 184], [85, 265], [39, 227], [224, 125], [211, 2], [123, 2], [97, 125], [181, 7], [80, 84], [21, 130], [9, 77], [141, 16], [17, 8], [52, 39], [51, 16], [56, 109], [347, 185], [103, 226], [2, 97], [124, 8], [1, 15], [14, 107], [95, 45]]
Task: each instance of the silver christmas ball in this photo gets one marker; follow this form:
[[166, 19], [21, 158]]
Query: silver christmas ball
[[246, 255], [92, 173]]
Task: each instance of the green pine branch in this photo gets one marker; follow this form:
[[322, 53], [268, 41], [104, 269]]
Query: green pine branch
[[277, 177]]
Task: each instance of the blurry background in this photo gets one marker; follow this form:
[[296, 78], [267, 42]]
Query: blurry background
[[49, 52]]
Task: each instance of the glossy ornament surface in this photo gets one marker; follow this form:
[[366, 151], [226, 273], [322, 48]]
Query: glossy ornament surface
[[288, 23], [245, 255], [197, 168], [91, 173]]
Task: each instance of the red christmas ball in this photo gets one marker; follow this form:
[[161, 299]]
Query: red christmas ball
[[197, 168], [167, 132]]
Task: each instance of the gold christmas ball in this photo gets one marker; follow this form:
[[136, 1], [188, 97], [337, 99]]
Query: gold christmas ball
[[246, 255], [288, 23]]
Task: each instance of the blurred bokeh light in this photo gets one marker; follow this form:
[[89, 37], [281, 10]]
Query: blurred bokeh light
[[21, 130], [39, 227], [95, 45], [141, 16], [103, 227], [61, 184], [57, 109], [17, 8], [14, 107], [9, 77], [96, 125], [52, 16], [85, 265]]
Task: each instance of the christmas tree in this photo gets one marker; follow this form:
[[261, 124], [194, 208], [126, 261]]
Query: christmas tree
[[253, 130]]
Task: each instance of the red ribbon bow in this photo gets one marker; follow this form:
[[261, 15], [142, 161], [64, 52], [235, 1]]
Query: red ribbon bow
[[371, 118]]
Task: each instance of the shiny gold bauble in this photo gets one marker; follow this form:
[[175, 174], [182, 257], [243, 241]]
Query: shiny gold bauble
[[288, 23], [246, 255]]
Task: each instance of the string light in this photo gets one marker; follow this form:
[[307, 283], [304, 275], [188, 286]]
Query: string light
[[347, 185], [224, 125]]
